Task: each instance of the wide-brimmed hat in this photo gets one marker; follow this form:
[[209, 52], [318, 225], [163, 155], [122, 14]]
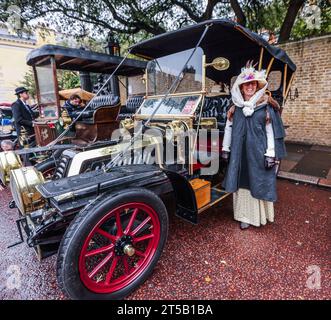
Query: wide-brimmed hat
[[20, 90], [249, 74]]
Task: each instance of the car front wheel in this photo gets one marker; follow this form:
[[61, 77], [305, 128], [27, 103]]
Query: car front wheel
[[112, 245]]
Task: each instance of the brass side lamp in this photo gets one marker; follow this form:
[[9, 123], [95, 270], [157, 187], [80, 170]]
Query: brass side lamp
[[219, 63]]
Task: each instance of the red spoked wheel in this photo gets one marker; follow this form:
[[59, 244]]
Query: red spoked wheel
[[119, 248], [112, 246]]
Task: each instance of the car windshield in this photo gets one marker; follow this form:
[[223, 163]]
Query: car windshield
[[179, 105], [162, 72]]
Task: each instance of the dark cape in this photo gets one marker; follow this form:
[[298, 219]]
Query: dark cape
[[248, 145]]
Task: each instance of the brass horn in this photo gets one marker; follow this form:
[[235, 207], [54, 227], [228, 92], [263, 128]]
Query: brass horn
[[219, 63]]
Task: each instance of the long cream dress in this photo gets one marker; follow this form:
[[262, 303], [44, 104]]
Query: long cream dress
[[250, 210]]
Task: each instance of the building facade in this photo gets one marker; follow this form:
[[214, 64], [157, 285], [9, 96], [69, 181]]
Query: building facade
[[13, 52]]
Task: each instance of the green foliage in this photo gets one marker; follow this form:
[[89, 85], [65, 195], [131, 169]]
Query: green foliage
[[89, 43], [257, 13], [68, 79], [301, 29], [29, 83], [273, 15]]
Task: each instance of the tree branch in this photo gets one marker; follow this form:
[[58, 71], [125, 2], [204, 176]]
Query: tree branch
[[209, 9], [154, 16], [136, 22], [187, 9]]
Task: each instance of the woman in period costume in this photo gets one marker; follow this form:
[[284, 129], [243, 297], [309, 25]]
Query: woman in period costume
[[253, 143]]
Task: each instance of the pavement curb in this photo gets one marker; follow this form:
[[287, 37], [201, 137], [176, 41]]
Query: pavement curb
[[305, 178]]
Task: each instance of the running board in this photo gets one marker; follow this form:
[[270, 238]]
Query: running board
[[216, 196]]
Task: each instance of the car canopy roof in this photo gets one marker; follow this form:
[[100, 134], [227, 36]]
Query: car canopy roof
[[224, 38], [85, 60]]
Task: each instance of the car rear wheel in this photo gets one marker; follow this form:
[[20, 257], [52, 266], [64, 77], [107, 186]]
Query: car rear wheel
[[113, 245]]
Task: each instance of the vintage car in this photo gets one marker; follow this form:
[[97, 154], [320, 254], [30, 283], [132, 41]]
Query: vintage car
[[97, 120], [106, 213], [100, 117], [5, 110]]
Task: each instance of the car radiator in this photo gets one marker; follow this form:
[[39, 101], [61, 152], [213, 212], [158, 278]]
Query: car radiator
[[63, 164], [128, 158]]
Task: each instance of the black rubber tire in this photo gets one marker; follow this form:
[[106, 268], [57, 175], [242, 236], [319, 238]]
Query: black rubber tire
[[68, 256]]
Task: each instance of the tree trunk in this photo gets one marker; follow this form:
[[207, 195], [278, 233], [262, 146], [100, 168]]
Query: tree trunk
[[291, 14], [241, 19]]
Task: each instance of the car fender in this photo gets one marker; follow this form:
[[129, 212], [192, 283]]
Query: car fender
[[70, 194], [185, 197]]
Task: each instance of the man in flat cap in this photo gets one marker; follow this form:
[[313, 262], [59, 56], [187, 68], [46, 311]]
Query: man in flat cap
[[23, 114]]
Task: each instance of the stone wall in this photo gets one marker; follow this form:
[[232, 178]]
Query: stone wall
[[309, 114]]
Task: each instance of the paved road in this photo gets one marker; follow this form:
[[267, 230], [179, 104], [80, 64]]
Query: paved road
[[213, 260]]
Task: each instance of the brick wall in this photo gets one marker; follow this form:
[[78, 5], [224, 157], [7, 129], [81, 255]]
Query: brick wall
[[309, 115]]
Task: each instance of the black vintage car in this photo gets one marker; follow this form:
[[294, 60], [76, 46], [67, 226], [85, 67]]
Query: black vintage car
[[106, 212]]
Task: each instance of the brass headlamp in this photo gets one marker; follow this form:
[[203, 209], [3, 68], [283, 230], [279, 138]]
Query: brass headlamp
[[23, 182], [9, 160]]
